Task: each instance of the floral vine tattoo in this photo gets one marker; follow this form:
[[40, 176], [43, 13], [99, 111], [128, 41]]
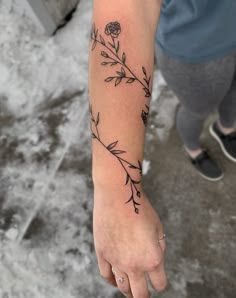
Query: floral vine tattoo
[[126, 165], [113, 57], [144, 115]]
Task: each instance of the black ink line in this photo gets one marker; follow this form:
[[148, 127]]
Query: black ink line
[[145, 115], [116, 152], [113, 30]]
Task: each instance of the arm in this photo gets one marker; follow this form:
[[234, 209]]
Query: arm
[[121, 66]]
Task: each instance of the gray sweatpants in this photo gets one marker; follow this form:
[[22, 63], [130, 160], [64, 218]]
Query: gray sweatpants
[[201, 88]]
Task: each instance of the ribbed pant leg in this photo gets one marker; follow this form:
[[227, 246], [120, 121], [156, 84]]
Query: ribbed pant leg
[[189, 127], [200, 88], [227, 108]]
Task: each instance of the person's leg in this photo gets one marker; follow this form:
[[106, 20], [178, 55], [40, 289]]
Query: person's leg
[[200, 88], [224, 130], [227, 109]]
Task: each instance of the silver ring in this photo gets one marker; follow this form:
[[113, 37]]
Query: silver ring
[[163, 237], [121, 280]]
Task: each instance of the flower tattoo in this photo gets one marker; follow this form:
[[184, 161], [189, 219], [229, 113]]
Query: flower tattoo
[[111, 52], [127, 167], [113, 29]]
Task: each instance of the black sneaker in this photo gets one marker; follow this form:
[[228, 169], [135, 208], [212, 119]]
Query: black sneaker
[[206, 166], [227, 142]]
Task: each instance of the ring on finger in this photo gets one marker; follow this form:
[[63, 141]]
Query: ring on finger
[[162, 238], [119, 279]]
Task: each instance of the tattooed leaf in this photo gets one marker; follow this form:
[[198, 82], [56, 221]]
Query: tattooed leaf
[[127, 179], [132, 167], [136, 203], [98, 119], [93, 29], [120, 74], [136, 210], [90, 109], [136, 182], [104, 54], [104, 63], [118, 152], [140, 165], [102, 40], [131, 199], [113, 63], [144, 71], [123, 57], [93, 136], [131, 80], [118, 81], [118, 47], [112, 145], [112, 45], [94, 45], [138, 194], [109, 79], [148, 94]]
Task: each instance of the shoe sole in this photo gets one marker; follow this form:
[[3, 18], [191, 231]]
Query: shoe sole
[[215, 136], [202, 175], [210, 179]]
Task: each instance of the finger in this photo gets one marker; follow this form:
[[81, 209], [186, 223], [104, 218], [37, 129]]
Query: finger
[[122, 282], [106, 270], [139, 286], [162, 242], [158, 278], [157, 275]]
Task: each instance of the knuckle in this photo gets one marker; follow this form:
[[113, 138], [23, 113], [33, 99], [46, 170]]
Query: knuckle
[[154, 264], [130, 266]]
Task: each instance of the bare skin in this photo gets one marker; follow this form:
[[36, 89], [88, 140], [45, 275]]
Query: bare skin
[[129, 245], [127, 230], [225, 130]]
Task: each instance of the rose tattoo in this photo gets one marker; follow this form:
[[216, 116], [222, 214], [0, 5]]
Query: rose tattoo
[[113, 29], [112, 57]]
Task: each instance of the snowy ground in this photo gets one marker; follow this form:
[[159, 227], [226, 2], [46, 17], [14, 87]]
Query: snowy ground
[[46, 244]]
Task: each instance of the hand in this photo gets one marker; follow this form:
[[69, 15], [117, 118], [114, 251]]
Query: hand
[[128, 245]]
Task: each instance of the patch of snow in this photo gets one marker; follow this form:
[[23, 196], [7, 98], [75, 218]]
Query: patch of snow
[[34, 67], [146, 166]]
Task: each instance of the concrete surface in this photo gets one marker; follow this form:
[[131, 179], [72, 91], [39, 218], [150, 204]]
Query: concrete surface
[[46, 243]]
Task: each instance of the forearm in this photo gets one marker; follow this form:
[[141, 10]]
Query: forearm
[[121, 67]]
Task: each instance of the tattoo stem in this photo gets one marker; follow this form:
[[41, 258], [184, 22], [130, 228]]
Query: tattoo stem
[[120, 61]]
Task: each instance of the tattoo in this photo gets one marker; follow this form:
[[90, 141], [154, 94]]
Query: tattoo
[[126, 165], [113, 57], [144, 115]]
